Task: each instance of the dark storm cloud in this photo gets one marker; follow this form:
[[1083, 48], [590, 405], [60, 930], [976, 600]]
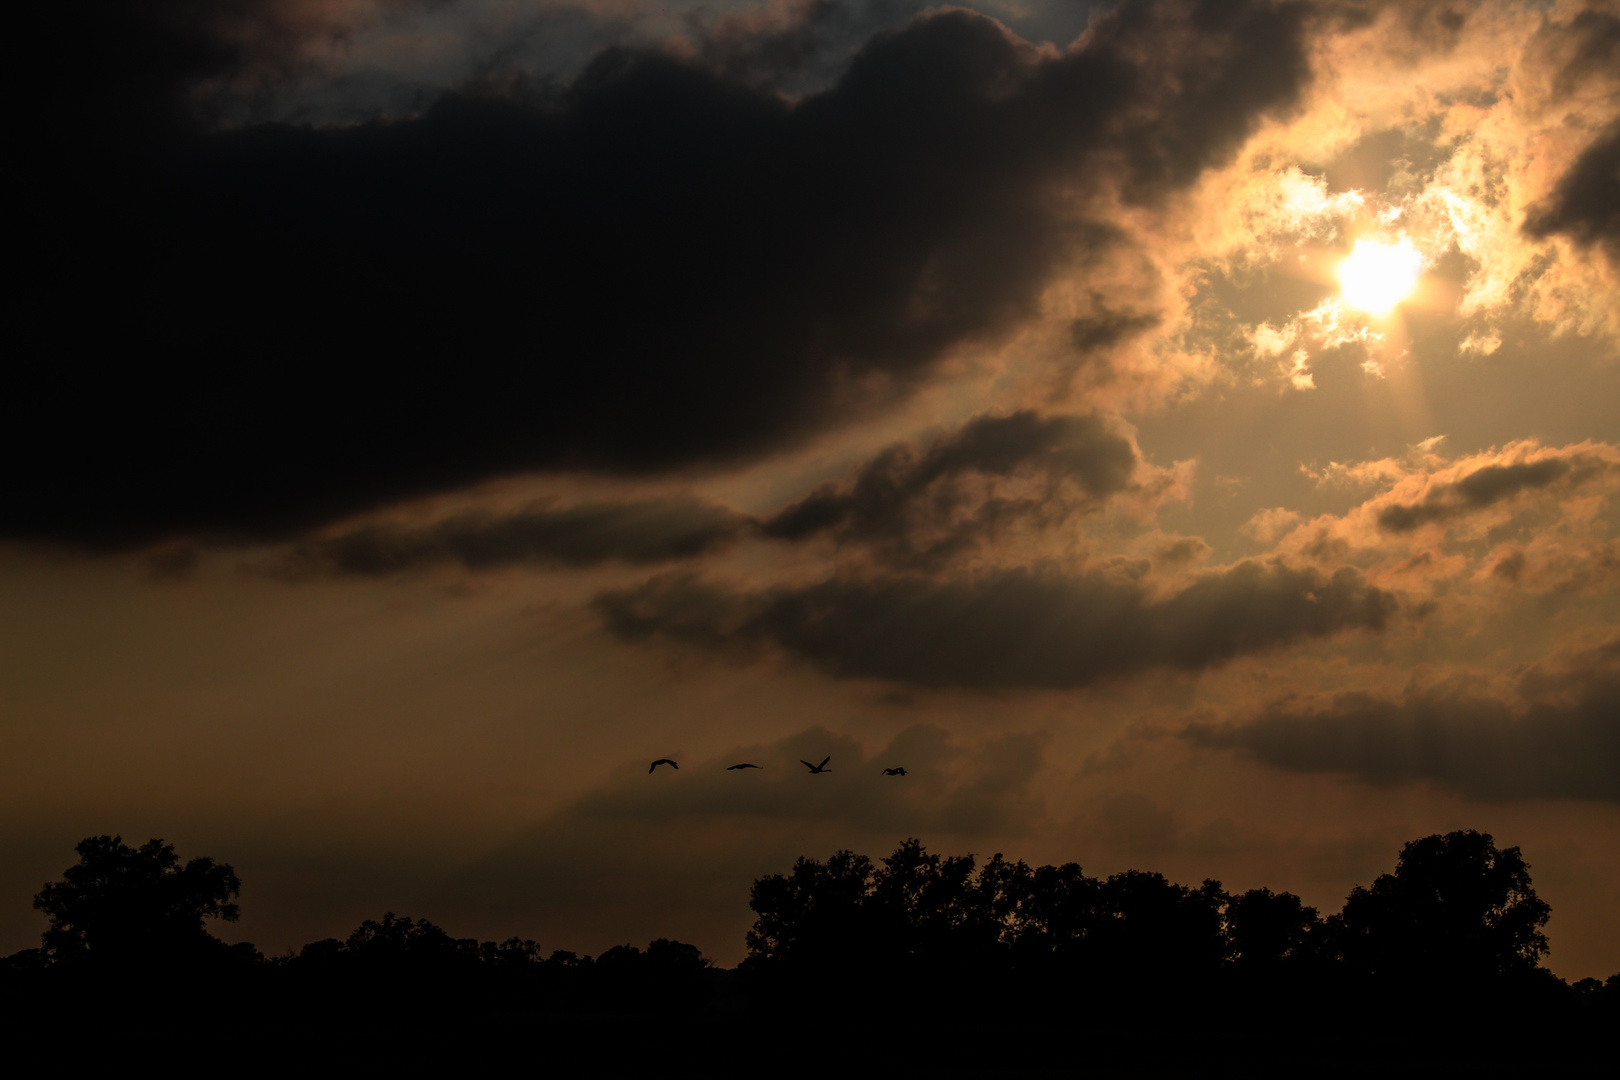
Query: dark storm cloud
[[913, 506], [1585, 206], [1007, 629], [1563, 744], [654, 266], [654, 530], [1486, 487]]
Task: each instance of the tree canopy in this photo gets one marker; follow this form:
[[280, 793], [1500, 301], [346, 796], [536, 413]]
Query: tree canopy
[[1456, 911], [1455, 906], [127, 905]]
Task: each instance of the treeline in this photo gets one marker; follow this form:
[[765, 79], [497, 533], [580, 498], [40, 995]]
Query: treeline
[[1453, 935], [127, 931], [1456, 927], [399, 961]]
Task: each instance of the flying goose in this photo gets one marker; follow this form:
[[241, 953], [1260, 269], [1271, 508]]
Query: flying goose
[[744, 765], [662, 761], [814, 769], [896, 771]]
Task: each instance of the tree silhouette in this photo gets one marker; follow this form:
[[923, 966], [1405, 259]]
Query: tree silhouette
[[1267, 929], [1455, 909], [669, 977], [400, 940], [936, 908], [813, 915], [927, 929], [1280, 964], [1153, 928], [1057, 910], [136, 906]]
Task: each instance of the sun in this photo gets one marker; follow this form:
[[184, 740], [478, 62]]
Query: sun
[[1376, 276]]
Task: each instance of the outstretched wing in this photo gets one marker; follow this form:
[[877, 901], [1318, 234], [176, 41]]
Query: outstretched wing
[[824, 761], [807, 765]]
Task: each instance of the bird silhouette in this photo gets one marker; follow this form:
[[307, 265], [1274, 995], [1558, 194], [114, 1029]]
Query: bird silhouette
[[814, 769], [896, 771], [662, 761], [744, 765]]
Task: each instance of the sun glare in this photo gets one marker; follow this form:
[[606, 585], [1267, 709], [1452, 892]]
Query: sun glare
[[1376, 276]]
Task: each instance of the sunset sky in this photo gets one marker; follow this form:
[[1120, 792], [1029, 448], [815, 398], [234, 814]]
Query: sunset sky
[[1183, 435]]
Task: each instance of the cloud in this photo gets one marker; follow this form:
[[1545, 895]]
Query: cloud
[[653, 266], [797, 46], [1584, 203], [385, 59], [1267, 526], [1106, 328], [1553, 499], [1559, 740], [1495, 104], [921, 506], [1007, 629], [911, 505], [1585, 206], [1592, 47], [1186, 549], [588, 534], [1092, 338], [1489, 485]]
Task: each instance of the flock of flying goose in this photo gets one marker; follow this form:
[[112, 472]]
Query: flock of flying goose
[[815, 770]]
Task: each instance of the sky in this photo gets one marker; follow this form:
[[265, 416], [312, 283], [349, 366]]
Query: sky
[[1184, 435]]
